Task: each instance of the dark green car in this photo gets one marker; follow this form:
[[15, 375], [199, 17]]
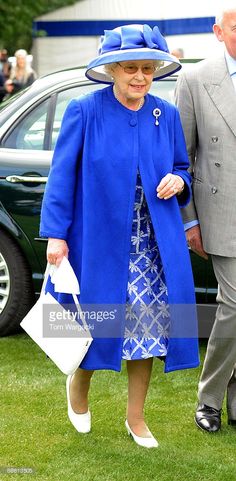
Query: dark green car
[[29, 126]]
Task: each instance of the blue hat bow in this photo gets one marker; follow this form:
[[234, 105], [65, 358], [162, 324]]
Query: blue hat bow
[[127, 37]]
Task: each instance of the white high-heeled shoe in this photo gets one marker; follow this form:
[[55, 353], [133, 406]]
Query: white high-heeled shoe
[[81, 422], [144, 442]]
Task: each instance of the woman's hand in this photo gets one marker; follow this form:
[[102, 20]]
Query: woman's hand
[[56, 250], [9, 87], [170, 185]]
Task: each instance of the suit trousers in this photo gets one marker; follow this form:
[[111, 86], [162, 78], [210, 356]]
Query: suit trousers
[[219, 368]]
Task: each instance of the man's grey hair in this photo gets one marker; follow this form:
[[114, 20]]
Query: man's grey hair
[[226, 6]]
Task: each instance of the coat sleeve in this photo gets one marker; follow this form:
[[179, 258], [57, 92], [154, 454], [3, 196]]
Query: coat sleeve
[[184, 102], [59, 196], [181, 162]]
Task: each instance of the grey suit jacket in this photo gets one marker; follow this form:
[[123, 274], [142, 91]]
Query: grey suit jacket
[[206, 99]]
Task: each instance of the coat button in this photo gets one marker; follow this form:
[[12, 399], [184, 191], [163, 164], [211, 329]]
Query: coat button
[[214, 190], [214, 139], [133, 122], [217, 164]]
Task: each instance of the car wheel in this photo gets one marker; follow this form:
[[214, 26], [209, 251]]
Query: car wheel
[[16, 293]]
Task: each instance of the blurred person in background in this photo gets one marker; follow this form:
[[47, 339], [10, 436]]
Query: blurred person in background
[[2, 88], [4, 72], [5, 66], [178, 52], [22, 75], [206, 98]]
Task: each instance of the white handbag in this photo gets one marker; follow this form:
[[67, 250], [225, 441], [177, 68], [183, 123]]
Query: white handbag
[[65, 343]]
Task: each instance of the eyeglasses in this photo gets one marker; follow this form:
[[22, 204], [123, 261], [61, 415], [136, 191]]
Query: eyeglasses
[[132, 69]]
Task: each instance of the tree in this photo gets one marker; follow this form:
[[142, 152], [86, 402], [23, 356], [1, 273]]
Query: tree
[[16, 19]]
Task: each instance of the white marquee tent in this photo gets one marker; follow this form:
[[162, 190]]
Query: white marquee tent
[[70, 36]]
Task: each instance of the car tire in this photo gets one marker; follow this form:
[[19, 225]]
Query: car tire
[[16, 292]]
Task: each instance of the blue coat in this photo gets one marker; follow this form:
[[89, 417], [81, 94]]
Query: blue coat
[[89, 201]]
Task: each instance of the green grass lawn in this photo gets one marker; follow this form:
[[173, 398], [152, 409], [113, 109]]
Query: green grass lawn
[[35, 431]]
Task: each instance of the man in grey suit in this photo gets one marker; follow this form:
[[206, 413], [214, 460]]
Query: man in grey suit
[[206, 98]]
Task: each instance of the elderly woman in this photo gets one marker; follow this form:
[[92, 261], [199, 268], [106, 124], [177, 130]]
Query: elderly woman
[[112, 204], [21, 75]]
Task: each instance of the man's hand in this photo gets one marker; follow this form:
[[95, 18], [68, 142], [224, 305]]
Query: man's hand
[[56, 250], [194, 240]]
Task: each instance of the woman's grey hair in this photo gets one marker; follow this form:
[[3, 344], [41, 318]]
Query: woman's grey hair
[[226, 6], [109, 68]]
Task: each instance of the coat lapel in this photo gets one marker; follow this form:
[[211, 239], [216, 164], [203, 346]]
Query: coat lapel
[[222, 93]]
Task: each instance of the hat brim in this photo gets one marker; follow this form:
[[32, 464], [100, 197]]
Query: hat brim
[[95, 70]]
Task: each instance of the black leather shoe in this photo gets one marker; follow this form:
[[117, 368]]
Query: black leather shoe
[[232, 422], [208, 418]]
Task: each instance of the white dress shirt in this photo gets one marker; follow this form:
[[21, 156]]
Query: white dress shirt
[[231, 64]]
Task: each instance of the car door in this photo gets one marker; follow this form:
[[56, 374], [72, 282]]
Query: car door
[[25, 155]]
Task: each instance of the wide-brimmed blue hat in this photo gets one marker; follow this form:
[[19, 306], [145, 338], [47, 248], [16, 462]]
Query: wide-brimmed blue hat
[[132, 42]]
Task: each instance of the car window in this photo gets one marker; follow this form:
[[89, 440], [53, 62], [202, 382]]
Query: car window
[[164, 89], [29, 133], [63, 99]]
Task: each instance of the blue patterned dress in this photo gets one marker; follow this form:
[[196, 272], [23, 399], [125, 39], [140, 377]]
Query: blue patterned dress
[[147, 314]]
